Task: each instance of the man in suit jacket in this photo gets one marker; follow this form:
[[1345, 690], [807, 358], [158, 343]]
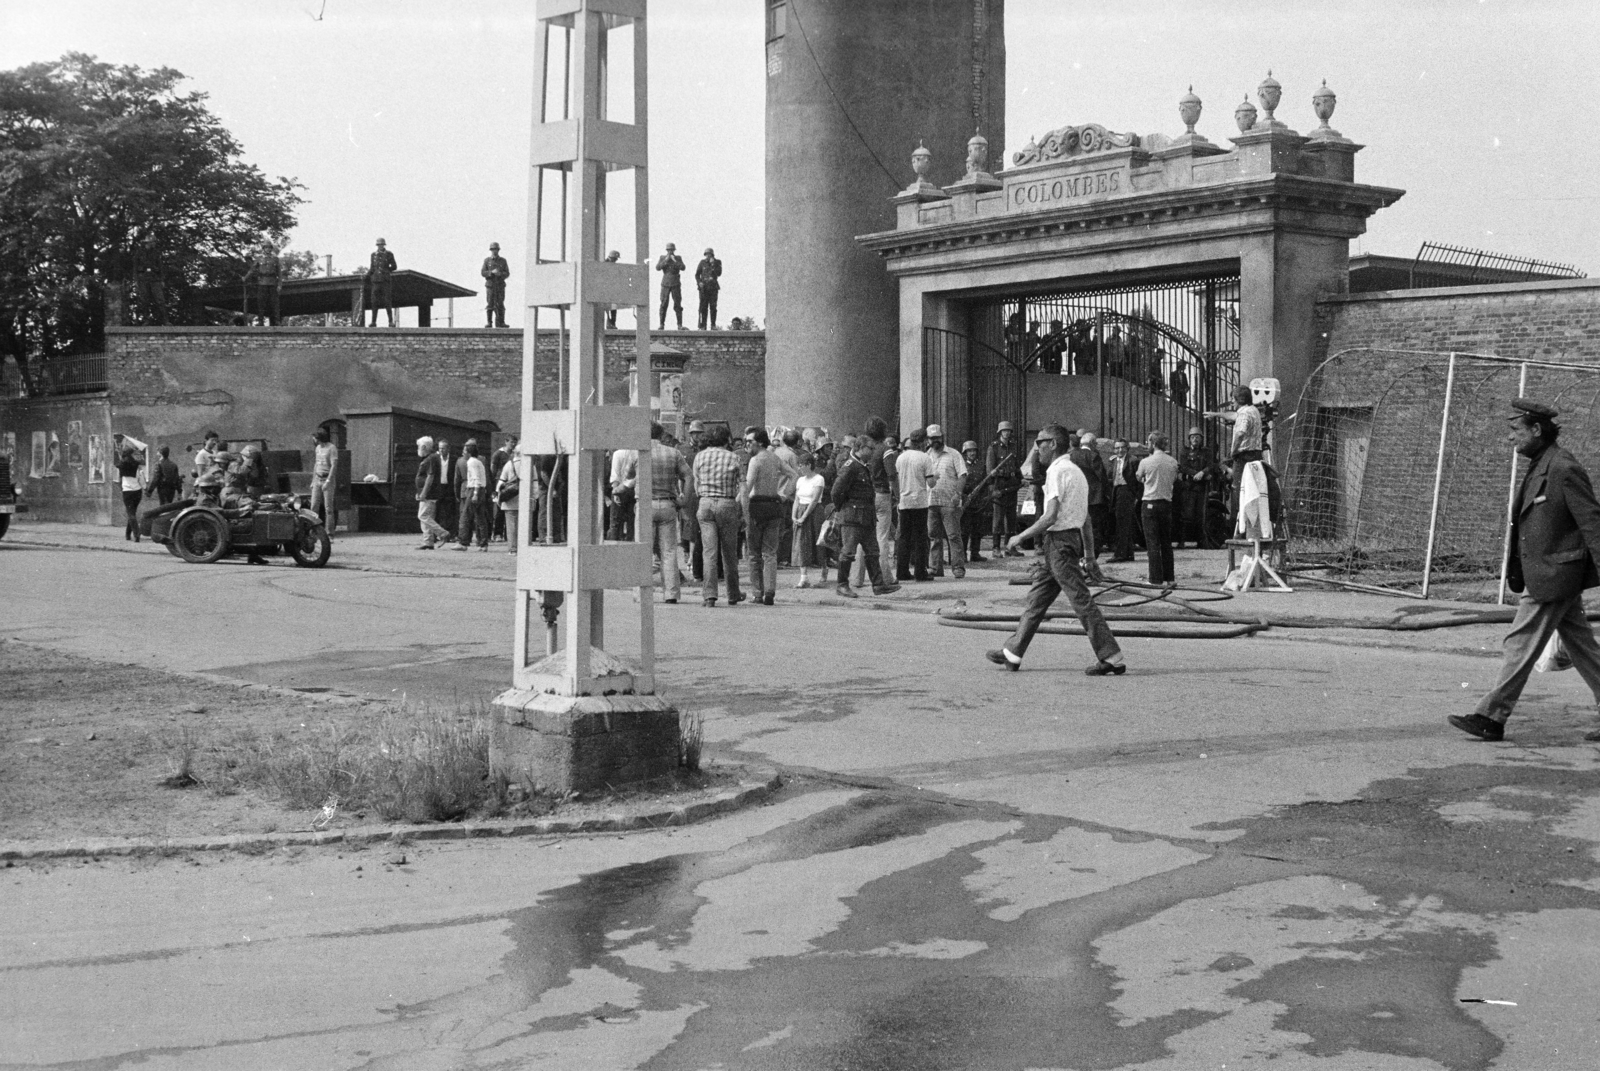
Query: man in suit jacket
[[1122, 474], [1555, 540]]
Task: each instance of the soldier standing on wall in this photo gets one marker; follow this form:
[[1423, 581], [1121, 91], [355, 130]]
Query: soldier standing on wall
[[380, 282], [671, 266], [495, 273], [611, 313], [262, 278], [706, 274]]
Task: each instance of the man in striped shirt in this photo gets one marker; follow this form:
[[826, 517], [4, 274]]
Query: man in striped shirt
[[719, 479], [669, 487]]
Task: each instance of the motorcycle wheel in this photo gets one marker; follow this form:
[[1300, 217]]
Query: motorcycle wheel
[[201, 538], [311, 546]]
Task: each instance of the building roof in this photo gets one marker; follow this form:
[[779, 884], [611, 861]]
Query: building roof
[[318, 294]]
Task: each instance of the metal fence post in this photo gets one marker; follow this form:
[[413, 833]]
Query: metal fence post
[[1511, 499], [1438, 476]]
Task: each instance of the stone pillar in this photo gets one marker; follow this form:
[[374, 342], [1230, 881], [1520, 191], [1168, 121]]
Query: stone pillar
[[851, 88]]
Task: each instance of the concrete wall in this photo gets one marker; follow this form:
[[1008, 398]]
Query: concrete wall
[[1552, 320], [896, 73], [64, 491], [167, 385]]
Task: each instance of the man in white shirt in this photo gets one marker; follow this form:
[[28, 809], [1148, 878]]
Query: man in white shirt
[[474, 499], [1060, 523], [915, 474], [624, 484]]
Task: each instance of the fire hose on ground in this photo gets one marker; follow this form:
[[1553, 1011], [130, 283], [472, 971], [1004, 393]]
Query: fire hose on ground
[[1201, 623]]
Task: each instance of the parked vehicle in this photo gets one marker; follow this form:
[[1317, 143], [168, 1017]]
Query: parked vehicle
[[10, 496], [203, 533]]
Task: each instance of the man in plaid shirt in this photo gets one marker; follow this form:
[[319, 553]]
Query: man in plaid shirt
[[719, 479]]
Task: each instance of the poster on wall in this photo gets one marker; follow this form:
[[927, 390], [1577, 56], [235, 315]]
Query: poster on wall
[[8, 446], [52, 458], [671, 393], [75, 443], [36, 462], [97, 459]]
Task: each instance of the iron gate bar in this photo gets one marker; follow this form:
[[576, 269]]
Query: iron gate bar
[[1134, 333]]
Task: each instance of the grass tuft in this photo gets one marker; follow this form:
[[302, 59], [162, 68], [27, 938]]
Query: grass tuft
[[691, 739]]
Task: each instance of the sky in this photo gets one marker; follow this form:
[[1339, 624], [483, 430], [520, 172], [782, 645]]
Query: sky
[[410, 119]]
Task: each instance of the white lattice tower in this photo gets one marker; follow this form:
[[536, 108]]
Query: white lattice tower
[[582, 144]]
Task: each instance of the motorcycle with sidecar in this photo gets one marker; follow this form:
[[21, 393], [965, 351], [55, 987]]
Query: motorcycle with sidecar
[[204, 532]]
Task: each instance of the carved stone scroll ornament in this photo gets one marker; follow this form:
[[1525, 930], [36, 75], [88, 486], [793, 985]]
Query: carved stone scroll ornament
[[1073, 141]]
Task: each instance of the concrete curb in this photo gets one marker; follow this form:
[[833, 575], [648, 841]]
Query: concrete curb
[[760, 783]]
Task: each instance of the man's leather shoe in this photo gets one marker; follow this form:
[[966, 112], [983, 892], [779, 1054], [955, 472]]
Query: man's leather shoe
[[1478, 725], [845, 591], [766, 600], [976, 558], [960, 574], [886, 589], [735, 600], [1106, 669], [998, 657]]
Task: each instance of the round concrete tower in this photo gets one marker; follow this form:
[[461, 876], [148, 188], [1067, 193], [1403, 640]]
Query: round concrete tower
[[851, 89]]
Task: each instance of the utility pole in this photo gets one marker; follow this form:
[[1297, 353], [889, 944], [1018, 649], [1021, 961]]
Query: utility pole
[[580, 718]]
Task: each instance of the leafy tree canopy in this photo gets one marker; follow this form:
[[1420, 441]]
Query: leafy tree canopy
[[120, 197]]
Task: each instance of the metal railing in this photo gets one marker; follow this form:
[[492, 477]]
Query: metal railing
[[54, 377], [1437, 264]]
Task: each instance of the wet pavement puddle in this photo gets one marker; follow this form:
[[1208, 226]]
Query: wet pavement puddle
[[893, 932]]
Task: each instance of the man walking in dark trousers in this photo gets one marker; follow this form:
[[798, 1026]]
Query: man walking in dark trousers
[[1555, 542], [1060, 526]]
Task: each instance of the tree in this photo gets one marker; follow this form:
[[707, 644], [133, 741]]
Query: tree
[[121, 199]]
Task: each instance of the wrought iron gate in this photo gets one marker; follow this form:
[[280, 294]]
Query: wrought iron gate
[[969, 387], [1161, 353]]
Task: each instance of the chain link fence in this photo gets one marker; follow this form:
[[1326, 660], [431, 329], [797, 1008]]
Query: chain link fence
[[1398, 473]]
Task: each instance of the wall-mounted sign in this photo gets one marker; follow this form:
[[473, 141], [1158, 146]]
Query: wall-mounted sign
[[1058, 191]]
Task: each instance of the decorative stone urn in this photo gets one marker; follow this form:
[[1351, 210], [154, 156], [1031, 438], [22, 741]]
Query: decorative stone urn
[[1323, 101], [921, 161], [1189, 111], [1245, 116], [977, 155], [1270, 93]]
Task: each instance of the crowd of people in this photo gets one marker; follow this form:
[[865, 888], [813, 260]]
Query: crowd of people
[[1079, 349], [878, 509]]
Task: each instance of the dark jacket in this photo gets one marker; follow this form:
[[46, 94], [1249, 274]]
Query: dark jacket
[[852, 495], [1009, 460], [1555, 536], [1094, 470], [427, 481]]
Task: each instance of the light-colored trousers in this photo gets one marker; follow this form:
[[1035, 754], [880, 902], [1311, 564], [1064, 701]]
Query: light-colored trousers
[[664, 525], [1530, 631], [427, 516]]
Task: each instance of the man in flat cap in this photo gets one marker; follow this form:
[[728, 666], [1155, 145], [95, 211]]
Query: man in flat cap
[[495, 272], [706, 278], [1555, 541]]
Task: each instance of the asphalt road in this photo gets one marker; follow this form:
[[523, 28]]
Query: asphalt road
[[1243, 852]]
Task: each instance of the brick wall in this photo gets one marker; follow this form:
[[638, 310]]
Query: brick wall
[[1552, 320], [279, 383]]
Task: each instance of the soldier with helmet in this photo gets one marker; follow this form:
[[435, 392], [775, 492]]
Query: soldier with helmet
[[1199, 475], [495, 272], [1004, 463]]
